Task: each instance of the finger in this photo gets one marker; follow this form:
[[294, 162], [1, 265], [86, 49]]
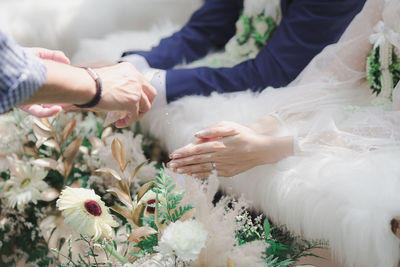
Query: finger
[[204, 167], [59, 56], [197, 149], [150, 92], [128, 120], [144, 104], [201, 175], [54, 55], [217, 131], [191, 160], [41, 111]]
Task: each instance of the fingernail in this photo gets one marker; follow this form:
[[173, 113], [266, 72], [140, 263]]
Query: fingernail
[[180, 170], [172, 165], [201, 133], [175, 156]]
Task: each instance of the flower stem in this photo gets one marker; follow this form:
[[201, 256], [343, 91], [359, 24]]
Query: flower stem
[[113, 252]]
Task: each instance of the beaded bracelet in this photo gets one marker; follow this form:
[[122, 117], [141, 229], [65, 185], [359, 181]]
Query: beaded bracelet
[[96, 99]]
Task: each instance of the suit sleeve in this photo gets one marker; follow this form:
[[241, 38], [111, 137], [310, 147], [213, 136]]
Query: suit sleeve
[[209, 28], [306, 28]]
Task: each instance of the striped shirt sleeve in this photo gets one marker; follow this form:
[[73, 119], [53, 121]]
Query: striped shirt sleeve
[[21, 74]]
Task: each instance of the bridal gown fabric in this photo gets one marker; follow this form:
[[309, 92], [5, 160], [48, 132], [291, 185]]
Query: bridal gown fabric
[[342, 185]]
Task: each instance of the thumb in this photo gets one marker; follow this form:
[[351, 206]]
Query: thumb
[[58, 56]]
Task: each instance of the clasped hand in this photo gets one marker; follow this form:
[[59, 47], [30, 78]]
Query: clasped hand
[[233, 148], [124, 89]]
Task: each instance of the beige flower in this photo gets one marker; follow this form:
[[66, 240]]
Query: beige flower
[[149, 200], [86, 213]]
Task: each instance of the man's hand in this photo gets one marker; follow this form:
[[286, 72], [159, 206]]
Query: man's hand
[[125, 89]]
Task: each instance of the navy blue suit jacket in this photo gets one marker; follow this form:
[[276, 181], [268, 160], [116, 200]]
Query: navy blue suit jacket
[[307, 26]]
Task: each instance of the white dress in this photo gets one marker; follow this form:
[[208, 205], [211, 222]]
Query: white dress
[[343, 183]]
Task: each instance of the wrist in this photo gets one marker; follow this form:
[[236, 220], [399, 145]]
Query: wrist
[[275, 149], [64, 84], [85, 86], [97, 97]]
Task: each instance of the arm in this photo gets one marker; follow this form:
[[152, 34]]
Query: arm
[[21, 74], [209, 28], [306, 28], [26, 79], [123, 89]]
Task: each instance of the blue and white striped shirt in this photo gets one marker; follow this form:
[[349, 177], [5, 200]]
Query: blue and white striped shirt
[[21, 73]]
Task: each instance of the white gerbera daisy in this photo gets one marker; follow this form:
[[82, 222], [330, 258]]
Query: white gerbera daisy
[[86, 213], [25, 185]]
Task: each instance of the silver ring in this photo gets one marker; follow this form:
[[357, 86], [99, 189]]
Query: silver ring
[[214, 166]]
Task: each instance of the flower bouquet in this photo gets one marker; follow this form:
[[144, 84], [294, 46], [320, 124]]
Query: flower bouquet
[[73, 193]]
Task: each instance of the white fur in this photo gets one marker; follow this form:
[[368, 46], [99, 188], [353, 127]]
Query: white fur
[[346, 198]]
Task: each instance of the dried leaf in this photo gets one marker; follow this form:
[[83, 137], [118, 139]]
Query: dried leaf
[[40, 142], [122, 196], [230, 263], [68, 130], [137, 213], [123, 186], [126, 164], [43, 124], [123, 211], [135, 171], [118, 151], [46, 122], [141, 233], [96, 143], [50, 194], [40, 133], [143, 190], [52, 144], [106, 133], [46, 163], [188, 215], [70, 153], [60, 167], [111, 172]]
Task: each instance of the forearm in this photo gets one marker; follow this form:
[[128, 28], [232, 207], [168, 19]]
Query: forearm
[[65, 84], [276, 149]]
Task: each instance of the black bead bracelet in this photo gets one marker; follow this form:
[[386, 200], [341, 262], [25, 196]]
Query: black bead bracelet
[[96, 99]]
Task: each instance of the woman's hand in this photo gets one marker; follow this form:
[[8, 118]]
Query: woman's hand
[[39, 110], [232, 148]]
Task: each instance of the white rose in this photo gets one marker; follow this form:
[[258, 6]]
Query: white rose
[[185, 239]]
